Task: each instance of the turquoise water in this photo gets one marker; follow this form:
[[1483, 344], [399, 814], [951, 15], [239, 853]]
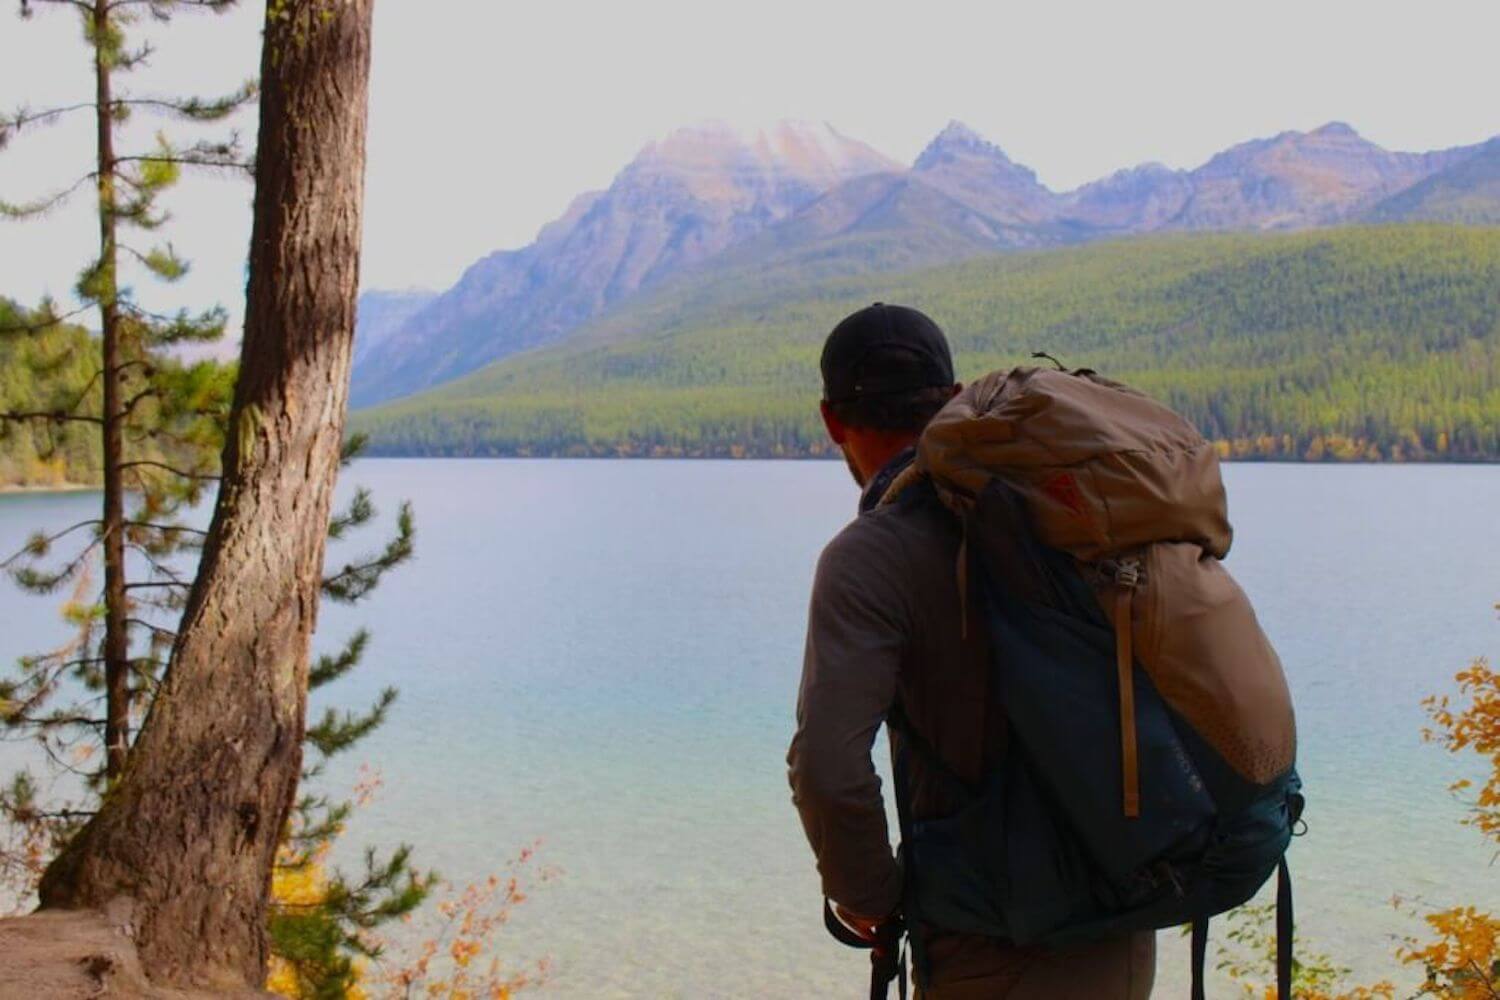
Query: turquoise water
[[604, 656]]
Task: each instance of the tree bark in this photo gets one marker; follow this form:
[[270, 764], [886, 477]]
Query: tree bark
[[191, 829]]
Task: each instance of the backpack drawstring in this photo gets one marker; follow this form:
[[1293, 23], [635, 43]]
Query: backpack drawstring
[[962, 574], [1127, 577]]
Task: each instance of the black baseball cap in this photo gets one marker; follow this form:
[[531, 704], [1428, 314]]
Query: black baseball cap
[[884, 349]]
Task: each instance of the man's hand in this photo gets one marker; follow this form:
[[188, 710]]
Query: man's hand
[[866, 928]]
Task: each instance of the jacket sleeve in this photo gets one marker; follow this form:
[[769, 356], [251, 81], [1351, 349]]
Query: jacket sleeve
[[856, 631]]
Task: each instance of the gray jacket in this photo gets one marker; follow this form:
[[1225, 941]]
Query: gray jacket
[[885, 628]]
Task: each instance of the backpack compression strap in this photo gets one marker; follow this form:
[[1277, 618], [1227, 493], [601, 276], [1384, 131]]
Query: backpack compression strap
[[1127, 574], [887, 957], [1125, 664], [1285, 933]]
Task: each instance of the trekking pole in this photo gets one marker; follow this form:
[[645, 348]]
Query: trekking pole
[[887, 957], [888, 961]]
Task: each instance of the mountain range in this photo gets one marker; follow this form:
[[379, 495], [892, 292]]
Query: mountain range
[[1355, 342], [802, 201]]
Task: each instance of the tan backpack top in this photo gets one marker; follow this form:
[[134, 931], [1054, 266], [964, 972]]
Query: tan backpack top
[[1132, 492]]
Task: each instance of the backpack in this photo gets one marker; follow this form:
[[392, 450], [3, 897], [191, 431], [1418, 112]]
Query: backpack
[[1149, 779]]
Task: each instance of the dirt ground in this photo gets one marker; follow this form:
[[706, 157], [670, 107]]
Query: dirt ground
[[78, 955]]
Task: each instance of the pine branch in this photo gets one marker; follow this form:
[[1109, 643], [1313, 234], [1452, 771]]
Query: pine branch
[[155, 433], [354, 446], [151, 560], [43, 205], [153, 629], [360, 510], [124, 62], [146, 315], [24, 117], [150, 464], [337, 732], [356, 580], [57, 416], [136, 400], [81, 661], [311, 832], [137, 211], [162, 262], [42, 675], [135, 663], [37, 582], [147, 669], [87, 388], [39, 544], [170, 601], [57, 719], [166, 529], [26, 10], [207, 155], [197, 109], [331, 668], [63, 764], [69, 412], [182, 327], [403, 888], [193, 109], [47, 322], [162, 9]]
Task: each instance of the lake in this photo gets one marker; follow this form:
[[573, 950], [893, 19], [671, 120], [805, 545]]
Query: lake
[[603, 656]]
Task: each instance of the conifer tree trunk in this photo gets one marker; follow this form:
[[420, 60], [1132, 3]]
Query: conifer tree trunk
[[190, 831], [116, 631]]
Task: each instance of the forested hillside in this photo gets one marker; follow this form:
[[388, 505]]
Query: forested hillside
[[40, 372], [49, 368], [1356, 343]]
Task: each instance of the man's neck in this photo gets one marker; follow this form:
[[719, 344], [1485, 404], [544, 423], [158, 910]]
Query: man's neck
[[875, 487], [875, 451]]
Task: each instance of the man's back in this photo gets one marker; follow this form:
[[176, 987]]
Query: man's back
[[886, 628], [887, 633]]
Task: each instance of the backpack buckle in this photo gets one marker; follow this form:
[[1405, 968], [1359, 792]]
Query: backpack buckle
[[1125, 572]]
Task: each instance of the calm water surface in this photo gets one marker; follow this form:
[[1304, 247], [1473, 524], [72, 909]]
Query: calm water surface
[[604, 656]]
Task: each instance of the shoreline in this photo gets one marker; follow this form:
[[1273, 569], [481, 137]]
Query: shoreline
[[835, 457], [7, 489], [69, 488]]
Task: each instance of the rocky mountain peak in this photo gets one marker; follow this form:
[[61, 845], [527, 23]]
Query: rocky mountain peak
[[957, 134], [975, 172], [708, 154], [958, 142], [818, 152], [1336, 129], [1141, 172], [1142, 198]]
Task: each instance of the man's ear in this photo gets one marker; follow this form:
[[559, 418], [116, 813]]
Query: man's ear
[[836, 427], [958, 387]]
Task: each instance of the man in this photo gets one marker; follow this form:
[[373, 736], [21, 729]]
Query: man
[[886, 634]]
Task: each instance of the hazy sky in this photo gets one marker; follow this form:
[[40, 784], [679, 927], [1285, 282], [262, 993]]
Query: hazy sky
[[488, 117]]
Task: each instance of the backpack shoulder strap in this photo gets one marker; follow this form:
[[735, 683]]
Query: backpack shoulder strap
[[1285, 931]]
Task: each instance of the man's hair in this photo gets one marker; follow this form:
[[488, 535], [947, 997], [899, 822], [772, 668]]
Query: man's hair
[[908, 410]]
